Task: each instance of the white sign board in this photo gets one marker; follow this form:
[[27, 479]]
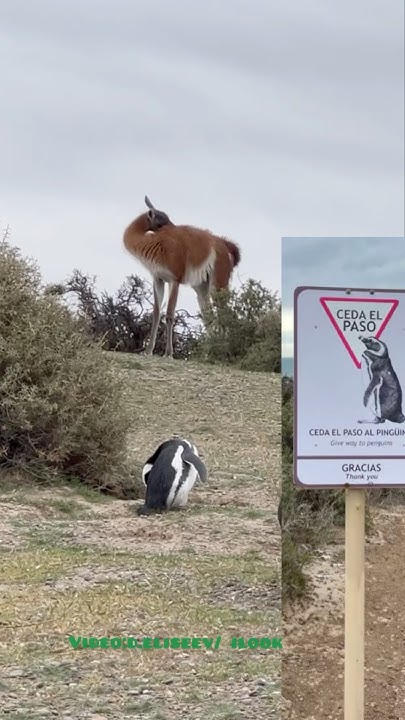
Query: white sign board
[[349, 370]]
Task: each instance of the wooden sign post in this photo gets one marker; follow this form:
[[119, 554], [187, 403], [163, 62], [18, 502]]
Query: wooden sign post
[[354, 604], [349, 428]]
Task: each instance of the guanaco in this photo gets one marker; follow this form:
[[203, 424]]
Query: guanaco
[[179, 255]]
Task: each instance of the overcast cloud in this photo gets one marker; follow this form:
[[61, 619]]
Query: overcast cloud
[[255, 119], [373, 263]]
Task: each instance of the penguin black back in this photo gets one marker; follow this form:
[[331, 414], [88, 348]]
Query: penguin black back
[[172, 468], [384, 386], [152, 459]]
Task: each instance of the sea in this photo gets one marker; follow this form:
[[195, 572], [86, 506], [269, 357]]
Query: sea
[[287, 366]]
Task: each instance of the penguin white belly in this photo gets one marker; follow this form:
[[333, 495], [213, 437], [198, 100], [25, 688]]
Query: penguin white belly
[[373, 404], [179, 499], [375, 395], [145, 470]]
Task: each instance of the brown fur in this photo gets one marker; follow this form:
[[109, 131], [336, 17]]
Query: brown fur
[[180, 247], [171, 253]]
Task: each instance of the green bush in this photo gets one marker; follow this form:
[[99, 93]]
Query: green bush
[[294, 559], [243, 329], [62, 406], [123, 321], [309, 516]]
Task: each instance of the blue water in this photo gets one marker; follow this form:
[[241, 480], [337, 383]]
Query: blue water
[[287, 366]]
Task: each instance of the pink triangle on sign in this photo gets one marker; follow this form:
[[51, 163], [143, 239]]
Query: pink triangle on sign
[[349, 339]]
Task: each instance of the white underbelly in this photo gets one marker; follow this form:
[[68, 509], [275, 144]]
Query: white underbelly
[[180, 498], [158, 271], [195, 276], [373, 403]]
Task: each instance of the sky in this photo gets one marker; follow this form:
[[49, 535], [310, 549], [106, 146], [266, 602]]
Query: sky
[[257, 119], [358, 262]]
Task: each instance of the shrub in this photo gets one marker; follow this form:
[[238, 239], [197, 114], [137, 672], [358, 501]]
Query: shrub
[[244, 326], [244, 329], [309, 516], [62, 406], [123, 321]]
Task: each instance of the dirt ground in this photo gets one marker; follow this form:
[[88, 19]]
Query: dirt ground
[[72, 563], [313, 630]]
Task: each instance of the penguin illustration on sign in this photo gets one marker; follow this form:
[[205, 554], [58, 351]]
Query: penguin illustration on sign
[[383, 395], [170, 474]]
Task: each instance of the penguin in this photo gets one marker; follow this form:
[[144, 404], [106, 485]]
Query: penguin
[[383, 395], [169, 475]]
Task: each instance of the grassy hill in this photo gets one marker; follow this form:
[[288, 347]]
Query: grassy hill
[[75, 563]]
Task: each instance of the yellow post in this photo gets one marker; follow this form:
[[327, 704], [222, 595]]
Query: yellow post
[[354, 604]]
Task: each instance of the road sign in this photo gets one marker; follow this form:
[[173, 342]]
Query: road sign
[[349, 369], [351, 316]]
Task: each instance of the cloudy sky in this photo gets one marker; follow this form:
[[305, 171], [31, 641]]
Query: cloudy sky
[[256, 118], [341, 262]]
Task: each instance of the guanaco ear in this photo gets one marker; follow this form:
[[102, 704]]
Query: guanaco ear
[[148, 203], [157, 218]]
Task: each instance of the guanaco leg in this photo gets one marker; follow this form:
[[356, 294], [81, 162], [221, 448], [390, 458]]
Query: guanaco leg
[[203, 293], [158, 294], [171, 307]]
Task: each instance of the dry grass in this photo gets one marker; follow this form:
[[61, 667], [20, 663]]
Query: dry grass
[[74, 566], [313, 628]]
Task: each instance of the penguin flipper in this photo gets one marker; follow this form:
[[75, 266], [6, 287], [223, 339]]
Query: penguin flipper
[[368, 392], [192, 459], [374, 389]]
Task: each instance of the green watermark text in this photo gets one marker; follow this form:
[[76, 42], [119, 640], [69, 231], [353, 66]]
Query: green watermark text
[[174, 643]]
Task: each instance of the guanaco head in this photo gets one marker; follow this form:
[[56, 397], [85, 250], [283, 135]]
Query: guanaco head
[[157, 218]]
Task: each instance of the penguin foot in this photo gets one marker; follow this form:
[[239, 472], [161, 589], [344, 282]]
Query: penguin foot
[[144, 510], [376, 421]]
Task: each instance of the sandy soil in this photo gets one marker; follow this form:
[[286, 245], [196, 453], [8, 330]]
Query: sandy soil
[[71, 565], [313, 630]]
